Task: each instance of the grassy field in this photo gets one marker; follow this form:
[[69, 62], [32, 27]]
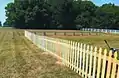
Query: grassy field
[[19, 58], [98, 41], [92, 38]]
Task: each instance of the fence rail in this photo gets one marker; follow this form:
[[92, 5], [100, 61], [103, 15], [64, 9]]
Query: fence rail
[[65, 33], [86, 60]]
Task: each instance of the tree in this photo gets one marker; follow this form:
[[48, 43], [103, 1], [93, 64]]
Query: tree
[[108, 15], [86, 14], [61, 14], [0, 23]]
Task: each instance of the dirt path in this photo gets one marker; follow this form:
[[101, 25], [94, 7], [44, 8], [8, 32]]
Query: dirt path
[[19, 58]]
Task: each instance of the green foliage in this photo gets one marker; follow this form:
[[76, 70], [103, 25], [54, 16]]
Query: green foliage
[[61, 14], [0, 23]]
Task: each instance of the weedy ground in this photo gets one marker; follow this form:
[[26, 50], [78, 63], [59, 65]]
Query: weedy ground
[[20, 58]]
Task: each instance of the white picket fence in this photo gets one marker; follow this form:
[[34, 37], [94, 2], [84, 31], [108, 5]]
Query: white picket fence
[[101, 30], [87, 61]]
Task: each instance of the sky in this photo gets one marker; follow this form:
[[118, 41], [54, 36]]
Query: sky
[[5, 2], [100, 2]]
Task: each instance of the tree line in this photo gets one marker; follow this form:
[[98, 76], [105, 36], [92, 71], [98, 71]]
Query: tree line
[[61, 14]]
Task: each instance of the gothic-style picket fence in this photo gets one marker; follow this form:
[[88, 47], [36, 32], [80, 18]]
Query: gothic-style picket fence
[[87, 61]]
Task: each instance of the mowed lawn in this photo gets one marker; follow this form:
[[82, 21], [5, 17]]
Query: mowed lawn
[[86, 37], [20, 58]]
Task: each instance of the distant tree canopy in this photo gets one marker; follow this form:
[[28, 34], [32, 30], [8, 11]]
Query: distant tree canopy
[[61, 14], [0, 23]]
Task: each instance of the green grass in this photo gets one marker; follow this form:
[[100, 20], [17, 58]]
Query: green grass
[[98, 41], [20, 58]]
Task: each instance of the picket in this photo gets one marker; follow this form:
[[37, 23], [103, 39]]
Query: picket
[[87, 61], [87, 58], [75, 56], [69, 54], [90, 67], [114, 66], [94, 62], [83, 50], [72, 56], [104, 64], [118, 72], [80, 66], [109, 65], [77, 64]]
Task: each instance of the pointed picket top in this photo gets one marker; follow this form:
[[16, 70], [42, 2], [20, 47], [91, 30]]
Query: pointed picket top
[[110, 53], [84, 45], [100, 50], [81, 45], [71, 43], [105, 51], [75, 45], [78, 45], [84, 48], [115, 55], [95, 49], [91, 48], [88, 47], [68, 41]]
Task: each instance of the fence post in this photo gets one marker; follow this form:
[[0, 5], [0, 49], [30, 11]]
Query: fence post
[[64, 33], [74, 34], [55, 33]]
